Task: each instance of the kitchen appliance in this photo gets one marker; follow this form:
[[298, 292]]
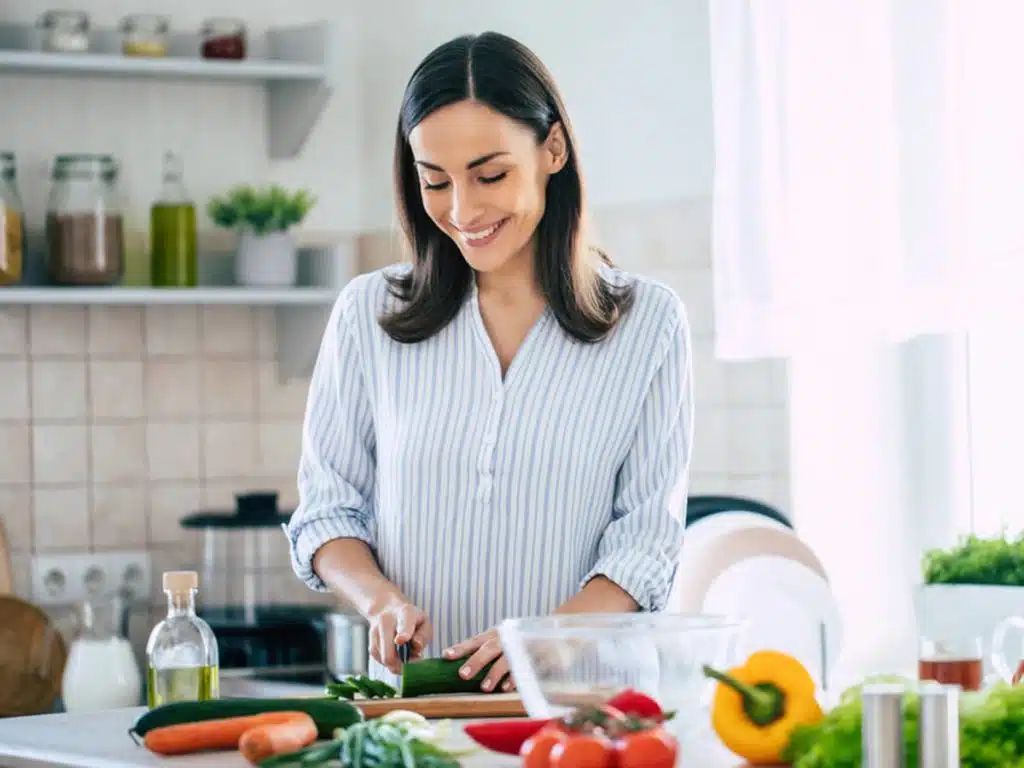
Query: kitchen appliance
[[261, 638]]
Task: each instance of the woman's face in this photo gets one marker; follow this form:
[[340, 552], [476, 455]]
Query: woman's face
[[483, 178]]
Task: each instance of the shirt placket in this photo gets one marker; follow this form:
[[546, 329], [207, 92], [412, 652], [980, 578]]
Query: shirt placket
[[485, 462]]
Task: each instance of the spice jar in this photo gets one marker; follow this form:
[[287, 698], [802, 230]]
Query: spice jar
[[84, 222], [12, 223], [145, 34], [223, 39], [65, 31]]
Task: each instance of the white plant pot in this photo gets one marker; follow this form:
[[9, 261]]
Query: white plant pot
[[963, 611], [266, 261]]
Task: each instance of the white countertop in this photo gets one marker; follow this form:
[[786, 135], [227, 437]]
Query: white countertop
[[101, 740]]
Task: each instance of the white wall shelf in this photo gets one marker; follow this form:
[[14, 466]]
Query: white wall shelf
[[326, 262], [293, 64]]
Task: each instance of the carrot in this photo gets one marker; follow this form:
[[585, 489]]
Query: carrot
[[220, 734], [270, 739]]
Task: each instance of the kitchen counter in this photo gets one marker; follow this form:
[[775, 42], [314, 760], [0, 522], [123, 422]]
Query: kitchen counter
[[101, 740]]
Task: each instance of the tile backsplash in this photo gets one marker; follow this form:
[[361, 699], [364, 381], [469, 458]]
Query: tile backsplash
[[115, 422]]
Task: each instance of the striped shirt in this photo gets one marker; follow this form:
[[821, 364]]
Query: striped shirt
[[486, 497]]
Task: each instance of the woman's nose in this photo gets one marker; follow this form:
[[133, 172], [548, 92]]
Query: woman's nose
[[465, 208]]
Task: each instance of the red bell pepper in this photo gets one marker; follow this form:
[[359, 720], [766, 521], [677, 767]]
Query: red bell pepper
[[505, 736], [631, 702]]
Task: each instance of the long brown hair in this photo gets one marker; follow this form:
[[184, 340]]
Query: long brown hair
[[504, 74]]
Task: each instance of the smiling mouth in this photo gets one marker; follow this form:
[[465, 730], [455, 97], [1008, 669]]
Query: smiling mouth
[[483, 236]]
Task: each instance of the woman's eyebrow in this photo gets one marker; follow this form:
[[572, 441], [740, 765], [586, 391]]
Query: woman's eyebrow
[[469, 166]]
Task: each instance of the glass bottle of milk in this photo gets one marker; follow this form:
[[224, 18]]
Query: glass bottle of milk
[[182, 656]]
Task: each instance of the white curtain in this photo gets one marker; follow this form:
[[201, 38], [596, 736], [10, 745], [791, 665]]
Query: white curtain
[[869, 190]]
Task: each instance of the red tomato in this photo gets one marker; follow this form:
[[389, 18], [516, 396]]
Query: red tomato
[[536, 750], [583, 751], [653, 748]]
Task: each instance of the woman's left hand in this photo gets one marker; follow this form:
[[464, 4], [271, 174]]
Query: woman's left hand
[[482, 650]]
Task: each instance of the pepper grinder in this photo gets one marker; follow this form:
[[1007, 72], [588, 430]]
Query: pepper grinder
[[882, 726], [939, 726]]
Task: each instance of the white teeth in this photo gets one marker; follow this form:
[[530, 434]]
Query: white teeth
[[481, 235]]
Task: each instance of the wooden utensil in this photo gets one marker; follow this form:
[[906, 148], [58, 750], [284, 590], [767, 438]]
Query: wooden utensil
[[469, 705], [6, 572], [32, 657]]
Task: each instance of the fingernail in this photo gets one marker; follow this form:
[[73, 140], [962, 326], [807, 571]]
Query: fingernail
[[449, 651], [466, 672], [507, 686], [487, 684]]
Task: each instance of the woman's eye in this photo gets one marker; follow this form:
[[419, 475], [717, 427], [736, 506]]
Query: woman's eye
[[493, 179], [438, 185]]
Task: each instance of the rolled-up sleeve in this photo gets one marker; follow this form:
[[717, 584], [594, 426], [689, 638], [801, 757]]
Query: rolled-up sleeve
[[337, 464], [639, 550]]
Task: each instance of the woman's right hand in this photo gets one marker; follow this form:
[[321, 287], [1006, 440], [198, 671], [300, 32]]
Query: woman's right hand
[[397, 623]]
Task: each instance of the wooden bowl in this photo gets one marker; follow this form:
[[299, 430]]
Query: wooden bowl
[[32, 658]]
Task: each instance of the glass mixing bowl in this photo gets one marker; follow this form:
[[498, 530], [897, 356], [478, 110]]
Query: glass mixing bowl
[[561, 662]]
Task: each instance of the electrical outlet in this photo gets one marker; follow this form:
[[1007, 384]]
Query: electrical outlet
[[60, 579]]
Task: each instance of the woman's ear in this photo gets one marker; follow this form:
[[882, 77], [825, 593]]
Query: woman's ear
[[556, 149]]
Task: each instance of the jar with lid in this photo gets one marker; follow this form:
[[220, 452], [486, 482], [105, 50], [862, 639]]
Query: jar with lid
[[84, 222], [65, 31], [144, 34], [223, 38], [12, 223]]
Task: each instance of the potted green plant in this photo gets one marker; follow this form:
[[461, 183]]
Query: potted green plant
[[973, 590], [264, 218]]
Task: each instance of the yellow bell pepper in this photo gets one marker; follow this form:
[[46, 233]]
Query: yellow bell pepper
[[757, 705]]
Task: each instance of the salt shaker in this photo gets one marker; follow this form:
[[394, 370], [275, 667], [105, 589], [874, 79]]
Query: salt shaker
[[939, 726], [882, 726]]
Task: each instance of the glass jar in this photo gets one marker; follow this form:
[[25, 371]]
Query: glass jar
[[223, 38], [84, 222], [65, 31], [12, 223], [144, 34]]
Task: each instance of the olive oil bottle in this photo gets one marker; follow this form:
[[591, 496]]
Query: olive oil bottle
[[172, 231], [182, 655]]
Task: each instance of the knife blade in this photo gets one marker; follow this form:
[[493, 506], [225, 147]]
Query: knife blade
[[403, 652]]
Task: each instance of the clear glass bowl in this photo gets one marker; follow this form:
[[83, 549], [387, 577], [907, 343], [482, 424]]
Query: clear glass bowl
[[561, 662]]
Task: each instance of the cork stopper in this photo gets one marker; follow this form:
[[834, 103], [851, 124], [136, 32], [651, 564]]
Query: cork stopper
[[180, 581]]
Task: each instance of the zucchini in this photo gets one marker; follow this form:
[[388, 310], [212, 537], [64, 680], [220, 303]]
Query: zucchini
[[429, 676], [327, 713]]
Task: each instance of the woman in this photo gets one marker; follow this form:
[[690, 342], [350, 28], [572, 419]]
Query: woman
[[503, 427]]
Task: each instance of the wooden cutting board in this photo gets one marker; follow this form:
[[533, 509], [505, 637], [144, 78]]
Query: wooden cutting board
[[469, 705]]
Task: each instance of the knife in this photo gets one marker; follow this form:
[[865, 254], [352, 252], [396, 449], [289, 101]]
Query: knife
[[403, 652]]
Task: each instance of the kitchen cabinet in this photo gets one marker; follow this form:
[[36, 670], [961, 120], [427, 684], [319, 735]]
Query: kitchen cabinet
[[291, 63]]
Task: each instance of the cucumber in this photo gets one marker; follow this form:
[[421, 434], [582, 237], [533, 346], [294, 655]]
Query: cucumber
[[429, 676], [328, 713], [365, 686]]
